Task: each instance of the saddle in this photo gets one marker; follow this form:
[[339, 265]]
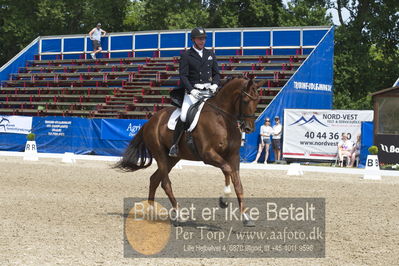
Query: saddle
[[177, 96], [192, 117], [193, 114]]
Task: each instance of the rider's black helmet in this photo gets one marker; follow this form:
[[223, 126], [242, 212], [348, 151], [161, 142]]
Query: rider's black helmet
[[198, 33]]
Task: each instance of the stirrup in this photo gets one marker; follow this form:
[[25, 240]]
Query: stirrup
[[173, 151]]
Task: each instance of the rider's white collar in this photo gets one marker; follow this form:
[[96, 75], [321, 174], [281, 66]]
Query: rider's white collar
[[200, 52]]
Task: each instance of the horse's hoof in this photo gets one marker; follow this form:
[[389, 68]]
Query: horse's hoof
[[223, 203], [249, 223]]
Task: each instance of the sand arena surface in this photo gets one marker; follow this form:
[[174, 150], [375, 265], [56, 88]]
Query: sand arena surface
[[56, 213]]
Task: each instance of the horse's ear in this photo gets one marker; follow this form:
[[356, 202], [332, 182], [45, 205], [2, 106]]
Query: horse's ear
[[250, 83]]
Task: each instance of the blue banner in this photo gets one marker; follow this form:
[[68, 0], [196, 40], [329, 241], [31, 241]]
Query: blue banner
[[366, 140], [120, 129], [311, 87], [78, 135]]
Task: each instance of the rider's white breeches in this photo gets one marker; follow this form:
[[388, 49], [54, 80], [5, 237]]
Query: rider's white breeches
[[188, 101]]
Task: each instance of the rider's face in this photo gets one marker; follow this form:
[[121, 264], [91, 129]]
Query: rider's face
[[199, 42]]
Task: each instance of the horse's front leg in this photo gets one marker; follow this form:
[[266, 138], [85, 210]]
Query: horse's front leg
[[235, 178], [231, 171]]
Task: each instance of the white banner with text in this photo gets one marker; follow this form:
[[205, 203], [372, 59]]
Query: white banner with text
[[15, 124], [315, 134]]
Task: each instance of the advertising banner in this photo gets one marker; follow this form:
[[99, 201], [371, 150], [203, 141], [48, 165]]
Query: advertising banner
[[70, 134], [311, 87], [15, 124], [388, 148], [315, 134], [120, 129]]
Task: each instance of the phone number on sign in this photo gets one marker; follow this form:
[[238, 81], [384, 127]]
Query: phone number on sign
[[270, 248], [288, 248], [324, 135]]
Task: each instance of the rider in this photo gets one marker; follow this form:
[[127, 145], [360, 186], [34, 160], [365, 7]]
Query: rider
[[198, 70]]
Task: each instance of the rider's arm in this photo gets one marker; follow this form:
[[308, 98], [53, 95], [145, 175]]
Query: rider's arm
[[183, 72], [215, 71]]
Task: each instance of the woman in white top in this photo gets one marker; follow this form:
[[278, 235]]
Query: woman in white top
[[344, 149], [355, 151], [265, 132]]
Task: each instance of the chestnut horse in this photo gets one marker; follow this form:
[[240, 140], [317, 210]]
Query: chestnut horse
[[217, 139]]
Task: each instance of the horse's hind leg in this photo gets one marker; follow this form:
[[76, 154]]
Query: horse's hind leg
[[154, 183], [159, 175], [165, 165], [226, 192]]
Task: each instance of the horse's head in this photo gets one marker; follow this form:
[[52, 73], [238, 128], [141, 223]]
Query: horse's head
[[248, 101], [238, 98]]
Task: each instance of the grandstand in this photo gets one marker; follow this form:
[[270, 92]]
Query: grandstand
[[123, 87], [131, 79]]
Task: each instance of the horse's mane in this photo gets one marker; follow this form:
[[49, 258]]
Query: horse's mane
[[232, 77]]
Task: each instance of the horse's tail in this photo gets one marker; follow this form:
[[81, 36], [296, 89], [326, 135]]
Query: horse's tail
[[136, 156]]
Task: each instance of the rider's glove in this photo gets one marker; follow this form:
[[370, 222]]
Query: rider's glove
[[195, 93], [213, 88], [199, 86]]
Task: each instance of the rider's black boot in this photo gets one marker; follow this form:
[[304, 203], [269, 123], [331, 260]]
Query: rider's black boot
[[179, 130]]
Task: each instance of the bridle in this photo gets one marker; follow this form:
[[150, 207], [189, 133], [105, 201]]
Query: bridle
[[252, 98], [240, 118]]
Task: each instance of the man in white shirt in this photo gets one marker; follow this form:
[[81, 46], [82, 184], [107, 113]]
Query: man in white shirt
[[277, 130], [95, 35]]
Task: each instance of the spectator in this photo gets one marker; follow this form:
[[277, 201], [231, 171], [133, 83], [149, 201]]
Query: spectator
[[265, 132], [95, 35], [355, 153], [242, 139], [344, 149], [277, 130]]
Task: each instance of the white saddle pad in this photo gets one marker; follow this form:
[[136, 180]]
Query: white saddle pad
[[176, 114]]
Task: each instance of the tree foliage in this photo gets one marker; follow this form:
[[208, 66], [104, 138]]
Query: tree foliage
[[23, 21], [366, 43], [366, 49], [306, 13]]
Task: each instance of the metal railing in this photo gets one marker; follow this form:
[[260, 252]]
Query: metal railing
[[213, 32]]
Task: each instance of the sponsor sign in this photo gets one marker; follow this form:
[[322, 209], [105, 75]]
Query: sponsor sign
[[15, 124], [388, 148], [315, 134], [299, 85], [58, 128], [115, 129]]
